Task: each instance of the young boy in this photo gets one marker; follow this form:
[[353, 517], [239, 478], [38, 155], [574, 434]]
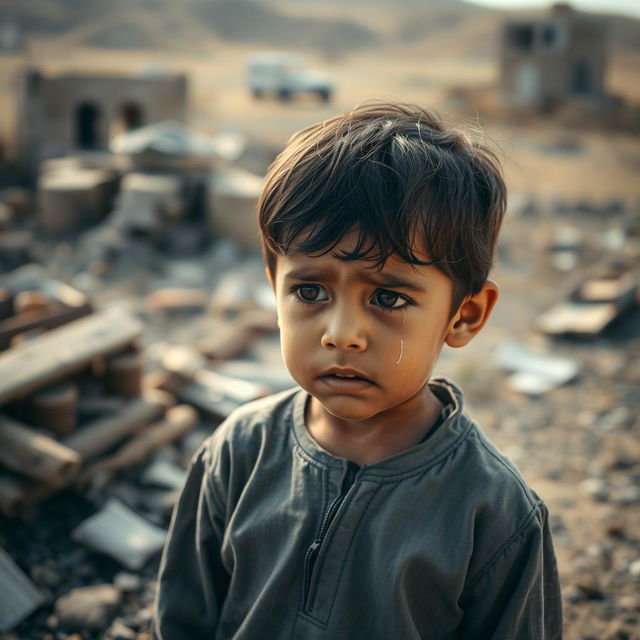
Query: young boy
[[364, 504]]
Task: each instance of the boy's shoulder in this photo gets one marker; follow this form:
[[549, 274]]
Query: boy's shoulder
[[481, 475]]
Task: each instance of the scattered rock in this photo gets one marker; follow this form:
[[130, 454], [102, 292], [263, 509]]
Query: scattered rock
[[88, 607], [46, 576], [584, 591], [595, 488], [120, 631], [127, 582]]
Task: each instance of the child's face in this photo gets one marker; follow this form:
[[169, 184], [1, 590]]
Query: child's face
[[361, 341]]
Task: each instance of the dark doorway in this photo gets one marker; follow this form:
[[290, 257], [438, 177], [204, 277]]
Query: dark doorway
[[581, 80], [87, 121], [521, 37], [131, 116]]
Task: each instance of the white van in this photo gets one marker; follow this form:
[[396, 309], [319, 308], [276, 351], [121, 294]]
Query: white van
[[284, 75]]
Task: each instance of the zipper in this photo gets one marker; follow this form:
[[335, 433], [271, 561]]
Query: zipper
[[312, 552]]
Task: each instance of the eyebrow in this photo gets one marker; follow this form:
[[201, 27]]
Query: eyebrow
[[391, 281], [383, 280]]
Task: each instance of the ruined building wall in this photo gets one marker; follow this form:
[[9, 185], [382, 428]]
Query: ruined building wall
[[546, 62], [59, 115]]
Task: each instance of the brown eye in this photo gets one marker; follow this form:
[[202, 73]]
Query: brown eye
[[389, 300], [311, 293]]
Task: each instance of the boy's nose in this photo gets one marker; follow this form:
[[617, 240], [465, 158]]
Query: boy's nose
[[344, 331]]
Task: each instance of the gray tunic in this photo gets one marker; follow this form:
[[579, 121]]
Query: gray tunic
[[274, 538]]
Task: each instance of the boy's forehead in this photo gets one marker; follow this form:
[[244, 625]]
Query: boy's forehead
[[368, 250], [394, 271]]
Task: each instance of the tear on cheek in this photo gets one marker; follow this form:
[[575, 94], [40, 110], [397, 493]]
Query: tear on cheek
[[404, 319]]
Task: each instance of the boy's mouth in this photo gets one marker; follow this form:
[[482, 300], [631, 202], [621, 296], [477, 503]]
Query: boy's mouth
[[345, 378]]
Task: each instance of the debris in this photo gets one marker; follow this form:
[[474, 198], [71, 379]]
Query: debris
[[88, 608], [123, 373], [120, 631], [96, 438], [163, 473], [146, 203], [177, 300], [70, 200], [127, 582], [169, 138], [596, 488], [177, 422], [54, 408], [241, 290], [535, 373], [34, 454], [565, 245], [64, 350], [15, 249], [213, 393], [122, 534], [19, 596], [594, 304], [275, 377], [233, 339], [232, 199]]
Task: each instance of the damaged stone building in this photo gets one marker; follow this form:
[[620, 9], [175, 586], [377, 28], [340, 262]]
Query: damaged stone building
[[62, 114], [552, 59]]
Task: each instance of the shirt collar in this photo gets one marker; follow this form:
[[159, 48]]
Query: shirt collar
[[413, 460]]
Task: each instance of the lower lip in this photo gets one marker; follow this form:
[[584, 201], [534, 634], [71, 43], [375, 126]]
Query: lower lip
[[346, 385]]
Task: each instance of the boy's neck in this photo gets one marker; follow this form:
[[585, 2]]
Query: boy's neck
[[368, 441]]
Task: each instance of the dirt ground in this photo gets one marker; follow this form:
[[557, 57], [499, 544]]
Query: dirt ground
[[578, 445]]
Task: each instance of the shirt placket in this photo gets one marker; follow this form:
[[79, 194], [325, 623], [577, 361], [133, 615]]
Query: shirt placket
[[326, 556]]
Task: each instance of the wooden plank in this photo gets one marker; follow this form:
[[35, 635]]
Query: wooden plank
[[54, 316], [176, 423], [34, 454], [64, 351], [100, 435]]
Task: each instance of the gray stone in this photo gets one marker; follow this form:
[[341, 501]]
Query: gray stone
[[596, 489], [44, 575], [120, 631], [88, 607], [126, 581]]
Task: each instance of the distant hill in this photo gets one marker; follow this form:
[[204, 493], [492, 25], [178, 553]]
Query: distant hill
[[274, 23], [247, 21]]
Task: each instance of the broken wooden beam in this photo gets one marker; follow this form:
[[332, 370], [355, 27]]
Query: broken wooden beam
[[65, 350], [212, 393], [19, 495], [233, 339], [103, 433], [34, 454], [54, 315], [177, 421]]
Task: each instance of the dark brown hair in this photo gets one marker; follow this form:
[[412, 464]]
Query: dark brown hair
[[399, 178]]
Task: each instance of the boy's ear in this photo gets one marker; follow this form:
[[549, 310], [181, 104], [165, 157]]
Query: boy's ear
[[472, 315]]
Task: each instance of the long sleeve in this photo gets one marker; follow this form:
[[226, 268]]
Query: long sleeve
[[192, 582], [517, 596]]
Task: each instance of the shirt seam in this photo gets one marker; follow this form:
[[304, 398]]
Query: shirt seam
[[535, 506], [502, 548], [515, 476]]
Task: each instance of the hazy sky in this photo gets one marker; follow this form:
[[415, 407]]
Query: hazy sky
[[629, 7]]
